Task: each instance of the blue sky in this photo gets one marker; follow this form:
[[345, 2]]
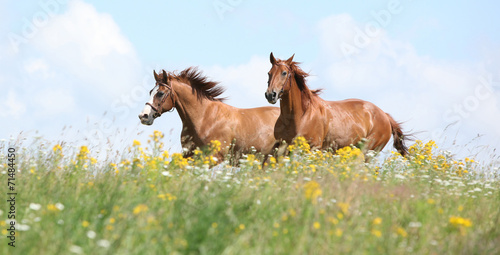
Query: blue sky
[[87, 64]]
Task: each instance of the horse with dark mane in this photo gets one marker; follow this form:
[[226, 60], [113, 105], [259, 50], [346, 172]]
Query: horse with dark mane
[[205, 117], [326, 124]]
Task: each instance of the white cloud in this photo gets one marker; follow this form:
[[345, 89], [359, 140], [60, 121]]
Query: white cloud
[[427, 93], [245, 83], [75, 66], [54, 102], [89, 46], [12, 106], [40, 66]]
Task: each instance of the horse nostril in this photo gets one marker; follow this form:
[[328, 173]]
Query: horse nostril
[[143, 116], [274, 95]]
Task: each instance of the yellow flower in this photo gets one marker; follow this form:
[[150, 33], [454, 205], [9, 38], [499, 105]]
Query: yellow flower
[[85, 223], [241, 226], [401, 231], [214, 225], [376, 232], [377, 221], [136, 143], [333, 220], [83, 154], [57, 147], [459, 221], [52, 208], [312, 190], [140, 208], [165, 154], [344, 207], [284, 217], [215, 146], [112, 220], [316, 225], [338, 232]]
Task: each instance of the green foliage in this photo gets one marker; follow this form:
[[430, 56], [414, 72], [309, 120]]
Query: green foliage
[[153, 202]]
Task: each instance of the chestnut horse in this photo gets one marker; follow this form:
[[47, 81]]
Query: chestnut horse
[[326, 124], [205, 117]]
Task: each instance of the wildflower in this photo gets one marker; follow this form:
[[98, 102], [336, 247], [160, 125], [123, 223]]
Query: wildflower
[[214, 225], [136, 143], [215, 146], [85, 223], [178, 160], [35, 207], [377, 221], [459, 221], [241, 226], [22, 227], [338, 232], [91, 234], [103, 243], [57, 147], [312, 190], [333, 220], [140, 208], [76, 249], [401, 231], [83, 154], [316, 225], [376, 232], [344, 207], [284, 217], [53, 208], [165, 155]]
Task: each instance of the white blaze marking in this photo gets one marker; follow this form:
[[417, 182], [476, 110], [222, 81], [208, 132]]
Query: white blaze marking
[[147, 108]]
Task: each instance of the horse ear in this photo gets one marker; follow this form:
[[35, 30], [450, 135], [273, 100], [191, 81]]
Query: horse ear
[[289, 61], [165, 76], [156, 76], [272, 59]]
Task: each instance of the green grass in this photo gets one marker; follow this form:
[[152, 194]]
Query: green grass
[[149, 202]]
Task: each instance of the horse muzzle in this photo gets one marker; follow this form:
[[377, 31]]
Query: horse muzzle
[[146, 119], [272, 97]]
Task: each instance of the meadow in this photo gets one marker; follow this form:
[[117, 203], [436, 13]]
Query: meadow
[[150, 201]]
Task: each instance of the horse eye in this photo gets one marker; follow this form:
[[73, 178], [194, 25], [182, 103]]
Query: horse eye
[[160, 93], [284, 73]]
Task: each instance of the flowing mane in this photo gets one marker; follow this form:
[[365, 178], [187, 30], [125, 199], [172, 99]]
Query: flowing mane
[[300, 78], [200, 84]]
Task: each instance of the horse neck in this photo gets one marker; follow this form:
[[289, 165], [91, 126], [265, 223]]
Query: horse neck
[[291, 104], [190, 108]]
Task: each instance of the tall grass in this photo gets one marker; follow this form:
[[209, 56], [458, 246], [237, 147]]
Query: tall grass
[[153, 202]]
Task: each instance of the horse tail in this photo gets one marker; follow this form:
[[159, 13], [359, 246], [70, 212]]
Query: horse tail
[[399, 137]]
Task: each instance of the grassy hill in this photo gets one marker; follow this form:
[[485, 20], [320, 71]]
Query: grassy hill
[[154, 202]]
